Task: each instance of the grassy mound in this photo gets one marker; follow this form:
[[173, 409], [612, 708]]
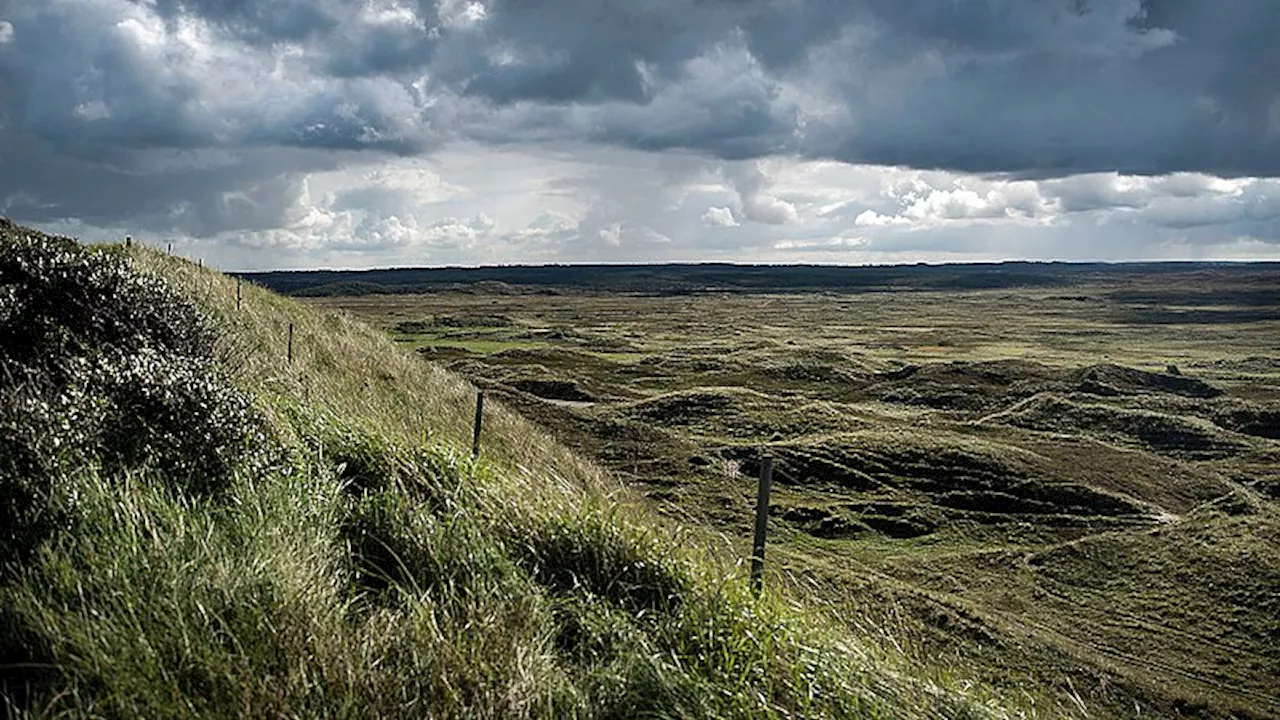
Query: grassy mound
[[1259, 419], [567, 390], [908, 485], [736, 414], [990, 385], [967, 386], [199, 527], [1108, 379], [1176, 435]]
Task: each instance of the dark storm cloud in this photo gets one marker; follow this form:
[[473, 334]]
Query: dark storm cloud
[[1034, 88], [194, 193], [64, 68], [90, 81], [1041, 89], [1179, 85], [261, 21], [585, 50], [111, 115], [1045, 88]]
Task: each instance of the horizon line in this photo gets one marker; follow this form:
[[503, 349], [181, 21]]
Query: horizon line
[[720, 263]]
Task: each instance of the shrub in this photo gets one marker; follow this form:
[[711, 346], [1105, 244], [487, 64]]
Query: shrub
[[58, 298], [100, 364]]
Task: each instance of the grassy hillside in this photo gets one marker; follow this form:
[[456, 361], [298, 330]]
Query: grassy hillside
[[1073, 493], [196, 527]]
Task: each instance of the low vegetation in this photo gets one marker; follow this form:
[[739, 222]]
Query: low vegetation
[[196, 525], [1067, 489]]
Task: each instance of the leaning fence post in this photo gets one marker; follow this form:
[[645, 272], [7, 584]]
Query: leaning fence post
[[290, 343], [762, 522], [475, 437]]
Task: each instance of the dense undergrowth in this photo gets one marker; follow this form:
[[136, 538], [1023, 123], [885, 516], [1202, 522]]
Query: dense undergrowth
[[195, 527]]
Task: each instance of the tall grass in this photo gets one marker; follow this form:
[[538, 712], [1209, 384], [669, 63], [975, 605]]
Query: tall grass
[[372, 568]]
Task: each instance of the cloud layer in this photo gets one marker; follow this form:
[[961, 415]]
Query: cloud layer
[[335, 129]]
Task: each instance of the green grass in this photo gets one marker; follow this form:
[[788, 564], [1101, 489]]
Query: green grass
[[920, 497], [475, 345], [374, 569]]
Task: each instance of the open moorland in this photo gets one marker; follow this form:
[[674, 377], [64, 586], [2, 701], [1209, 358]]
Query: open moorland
[[218, 502], [1059, 479]]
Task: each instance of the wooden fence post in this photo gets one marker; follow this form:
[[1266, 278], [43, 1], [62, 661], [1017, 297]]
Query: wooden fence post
[[290, 343], [762, 522], [475, 438], [238, 281]]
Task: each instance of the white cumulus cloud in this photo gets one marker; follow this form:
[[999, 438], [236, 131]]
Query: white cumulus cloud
[[719, 217]]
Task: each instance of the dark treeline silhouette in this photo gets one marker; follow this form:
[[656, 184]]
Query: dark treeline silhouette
[[694, 278]]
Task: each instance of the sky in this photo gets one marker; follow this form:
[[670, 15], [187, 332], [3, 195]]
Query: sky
[[266, 134]]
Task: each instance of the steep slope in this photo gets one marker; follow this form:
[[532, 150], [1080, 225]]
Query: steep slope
[[198, 525]]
